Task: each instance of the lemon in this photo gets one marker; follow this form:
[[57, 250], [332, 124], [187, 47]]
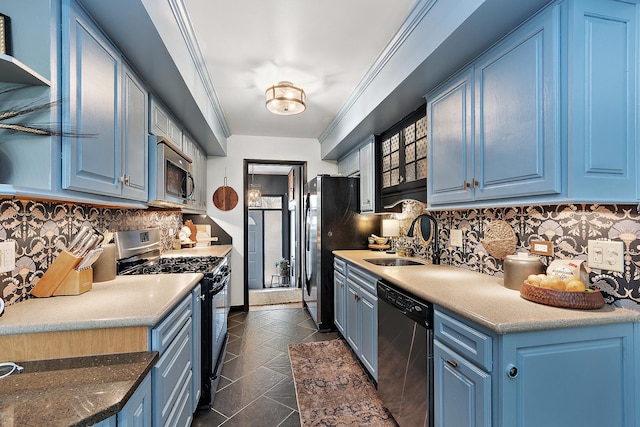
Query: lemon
[[552, 282], [575, 285]]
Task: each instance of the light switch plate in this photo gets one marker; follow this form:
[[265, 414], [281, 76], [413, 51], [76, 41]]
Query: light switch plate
[[606, 255], [7, 256], [456, 238]]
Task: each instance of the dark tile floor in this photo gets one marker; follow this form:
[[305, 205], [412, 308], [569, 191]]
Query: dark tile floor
[[256, 388]]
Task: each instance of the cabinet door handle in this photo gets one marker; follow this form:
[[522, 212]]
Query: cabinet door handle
[[474, 183], [452, 363], [465, 185]]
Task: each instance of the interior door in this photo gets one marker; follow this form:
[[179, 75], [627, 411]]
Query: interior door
[[255, 250]]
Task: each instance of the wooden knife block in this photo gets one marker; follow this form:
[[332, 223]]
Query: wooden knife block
[[76, 283], [62, 273]]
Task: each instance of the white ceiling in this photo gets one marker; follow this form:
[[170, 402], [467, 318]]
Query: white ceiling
[[323, 46]]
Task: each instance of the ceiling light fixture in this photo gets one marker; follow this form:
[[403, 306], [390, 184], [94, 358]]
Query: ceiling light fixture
[[285, 99]]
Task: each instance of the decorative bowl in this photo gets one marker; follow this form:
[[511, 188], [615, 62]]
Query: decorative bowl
[[565, 299]]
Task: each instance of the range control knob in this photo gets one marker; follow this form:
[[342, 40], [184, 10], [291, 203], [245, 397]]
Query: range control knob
[[417, 308]]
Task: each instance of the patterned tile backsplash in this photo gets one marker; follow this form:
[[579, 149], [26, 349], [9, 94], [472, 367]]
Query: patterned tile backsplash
[[42, 229], [568, 227]]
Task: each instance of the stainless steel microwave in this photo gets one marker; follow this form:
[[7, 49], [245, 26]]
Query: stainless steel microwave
[[170, 175]]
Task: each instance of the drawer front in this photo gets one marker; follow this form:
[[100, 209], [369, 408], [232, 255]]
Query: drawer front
[[362, 278], [181, 415], [470, 343], [163, 334], [171, 374], [339, 265]]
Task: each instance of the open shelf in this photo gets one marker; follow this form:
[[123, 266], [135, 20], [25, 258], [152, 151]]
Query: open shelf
[[14, 71]]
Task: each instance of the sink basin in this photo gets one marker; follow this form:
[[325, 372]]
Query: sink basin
[[393, 262]]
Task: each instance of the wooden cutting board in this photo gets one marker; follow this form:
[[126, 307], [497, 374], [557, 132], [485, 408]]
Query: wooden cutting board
[[225, 198]]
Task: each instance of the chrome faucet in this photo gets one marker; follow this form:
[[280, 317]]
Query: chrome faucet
[[435, 257]]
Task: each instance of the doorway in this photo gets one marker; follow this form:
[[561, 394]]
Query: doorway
[[272, 221]]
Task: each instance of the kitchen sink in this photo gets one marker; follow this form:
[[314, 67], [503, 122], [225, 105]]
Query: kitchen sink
[[393, 262]]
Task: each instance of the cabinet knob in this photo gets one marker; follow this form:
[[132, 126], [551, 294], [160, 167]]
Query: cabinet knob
[[474, 183], [452, 363], [512, 371], [125, 179], [465, 184]]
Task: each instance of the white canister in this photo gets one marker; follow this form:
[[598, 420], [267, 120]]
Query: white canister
[[518, 267]]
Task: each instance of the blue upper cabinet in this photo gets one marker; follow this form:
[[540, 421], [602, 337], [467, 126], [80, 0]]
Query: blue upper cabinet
[[90, 160], [517, 137], [450, 136], [493, 129], [547, 115], [106, 111], [135, 131], [602, 102]]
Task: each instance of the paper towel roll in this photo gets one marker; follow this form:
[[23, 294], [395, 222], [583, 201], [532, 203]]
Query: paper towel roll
[[104, 268]]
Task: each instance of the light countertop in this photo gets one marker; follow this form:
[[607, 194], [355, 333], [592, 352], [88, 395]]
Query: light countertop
[[141, 300], [213, 250], [482, 298]]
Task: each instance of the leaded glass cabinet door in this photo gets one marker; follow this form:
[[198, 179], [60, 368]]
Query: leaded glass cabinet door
[[403, 150]]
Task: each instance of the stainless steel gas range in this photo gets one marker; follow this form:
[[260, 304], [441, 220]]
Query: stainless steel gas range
[[139, 253]]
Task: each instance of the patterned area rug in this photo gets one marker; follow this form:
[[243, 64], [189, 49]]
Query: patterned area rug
[[332, 389]]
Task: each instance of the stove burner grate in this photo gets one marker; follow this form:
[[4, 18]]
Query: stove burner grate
[[199, 264]]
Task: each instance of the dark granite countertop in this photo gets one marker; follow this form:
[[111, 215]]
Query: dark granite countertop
[[78, 391]]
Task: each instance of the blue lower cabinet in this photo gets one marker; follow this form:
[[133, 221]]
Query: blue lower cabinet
[[361, 322], [457, 380], [172, 375], [196, 342], [137, 411], [582, 376], [568, 377]]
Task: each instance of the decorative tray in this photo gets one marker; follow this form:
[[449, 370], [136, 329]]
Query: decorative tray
[[581, 300], [379, 247]]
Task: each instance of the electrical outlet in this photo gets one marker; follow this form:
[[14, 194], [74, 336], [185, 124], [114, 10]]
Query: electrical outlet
[[606, 255], [456, 238], [7, 256]]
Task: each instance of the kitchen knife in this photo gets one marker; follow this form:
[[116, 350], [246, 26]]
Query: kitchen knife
[[91, 257], [86, 245], [79, 237]]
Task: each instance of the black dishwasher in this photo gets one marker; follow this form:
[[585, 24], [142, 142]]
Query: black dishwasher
[[405, 356]]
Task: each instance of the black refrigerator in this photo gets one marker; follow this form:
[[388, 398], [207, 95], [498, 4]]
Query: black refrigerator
[[332, 221]]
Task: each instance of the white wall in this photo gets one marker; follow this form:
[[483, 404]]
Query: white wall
[[239, 148]]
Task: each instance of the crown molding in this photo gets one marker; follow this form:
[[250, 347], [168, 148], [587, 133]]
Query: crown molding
[[186, 28], [417, 14]]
